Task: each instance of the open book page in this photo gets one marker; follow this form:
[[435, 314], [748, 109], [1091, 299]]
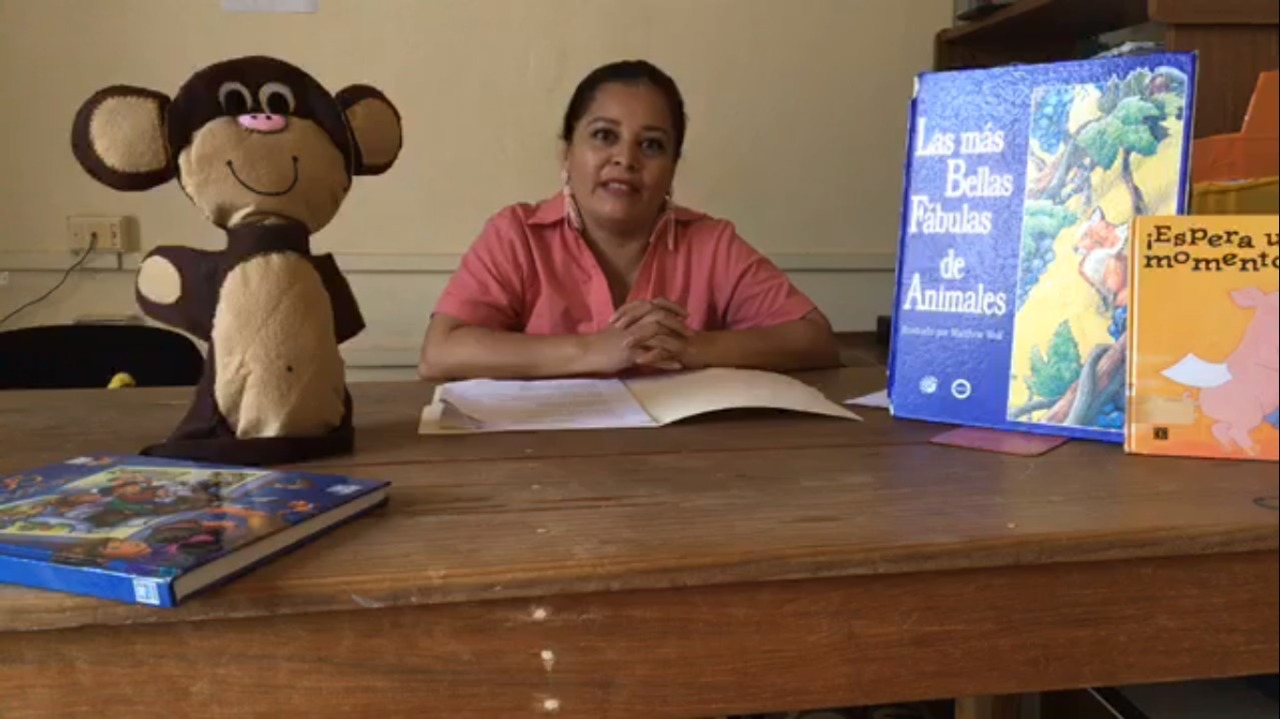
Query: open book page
[[431, 420], [878, 400], [439, 418], [515, 405], [673, 397]]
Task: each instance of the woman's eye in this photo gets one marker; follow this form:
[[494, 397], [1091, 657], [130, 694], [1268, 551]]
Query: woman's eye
[[603, 134], [654, 146]]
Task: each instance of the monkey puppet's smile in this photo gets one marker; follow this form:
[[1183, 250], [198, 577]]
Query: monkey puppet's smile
[[266, 193], [232, 174]]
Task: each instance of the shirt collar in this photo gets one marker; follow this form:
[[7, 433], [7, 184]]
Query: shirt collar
[[553, 210]]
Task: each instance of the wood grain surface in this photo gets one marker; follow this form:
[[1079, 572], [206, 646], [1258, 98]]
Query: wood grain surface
[[1230, 59], [40, 426], [1214, 12], [1049, 20], [572, 521], [742, 562], [675, 654]]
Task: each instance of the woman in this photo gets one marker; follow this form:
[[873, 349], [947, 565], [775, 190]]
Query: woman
[[610, 276]]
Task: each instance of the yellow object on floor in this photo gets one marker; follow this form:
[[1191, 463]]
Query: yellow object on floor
[[121, 379], [1245, 197]]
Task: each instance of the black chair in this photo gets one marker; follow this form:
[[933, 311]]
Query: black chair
[[1268, 685], [88, 356]]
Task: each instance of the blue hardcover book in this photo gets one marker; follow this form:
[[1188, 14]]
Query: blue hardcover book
[[154, 531], [1012, 279]]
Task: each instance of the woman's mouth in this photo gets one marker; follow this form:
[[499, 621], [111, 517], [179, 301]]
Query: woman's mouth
[[619, 188]]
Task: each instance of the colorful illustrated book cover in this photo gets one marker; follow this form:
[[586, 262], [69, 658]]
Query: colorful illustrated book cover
[[1011, 304], [152, 531], [1204, 337]]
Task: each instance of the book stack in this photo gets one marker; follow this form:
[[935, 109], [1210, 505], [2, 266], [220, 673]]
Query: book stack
[[1051, 279]]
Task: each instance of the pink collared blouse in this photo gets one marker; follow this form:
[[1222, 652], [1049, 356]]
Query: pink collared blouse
[[530, 271]]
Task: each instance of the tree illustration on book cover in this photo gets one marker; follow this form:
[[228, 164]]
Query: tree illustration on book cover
[[1100, 154]]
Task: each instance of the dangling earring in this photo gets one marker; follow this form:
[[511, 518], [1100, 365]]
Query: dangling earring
[[671, 220], [570, 206]]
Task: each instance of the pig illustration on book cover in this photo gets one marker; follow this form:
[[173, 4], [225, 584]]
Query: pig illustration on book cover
[[1240, 394], [1204, 337]]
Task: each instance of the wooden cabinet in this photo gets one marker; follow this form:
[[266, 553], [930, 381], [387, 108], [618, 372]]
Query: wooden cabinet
[[1236, 40]]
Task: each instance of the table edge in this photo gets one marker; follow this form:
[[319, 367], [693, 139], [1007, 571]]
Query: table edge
[[325, 596]]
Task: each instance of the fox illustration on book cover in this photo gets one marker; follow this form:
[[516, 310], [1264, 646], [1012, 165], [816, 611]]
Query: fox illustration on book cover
[[1100, 154], [1104, 259], [1205, 343]]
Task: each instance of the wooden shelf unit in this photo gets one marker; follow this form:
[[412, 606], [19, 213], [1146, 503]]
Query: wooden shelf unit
[[1236, 40]]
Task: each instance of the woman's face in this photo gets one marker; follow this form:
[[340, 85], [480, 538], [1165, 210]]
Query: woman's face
[[622, 158]]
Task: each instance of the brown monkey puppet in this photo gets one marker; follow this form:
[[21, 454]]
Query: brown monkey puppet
[[268, 155]]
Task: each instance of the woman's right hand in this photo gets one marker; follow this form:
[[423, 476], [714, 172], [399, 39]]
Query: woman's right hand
[[645, 333], [655, 310], [612, 350]]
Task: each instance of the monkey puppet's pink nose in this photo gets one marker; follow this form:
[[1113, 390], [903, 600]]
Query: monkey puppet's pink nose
[[263, 123]]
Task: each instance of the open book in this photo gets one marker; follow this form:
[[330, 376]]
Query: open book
[[653, 401]]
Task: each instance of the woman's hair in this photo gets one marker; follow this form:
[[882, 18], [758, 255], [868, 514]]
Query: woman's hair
[[629, 72]]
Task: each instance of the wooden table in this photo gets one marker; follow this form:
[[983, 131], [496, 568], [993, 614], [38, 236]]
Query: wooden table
[[734, 563]]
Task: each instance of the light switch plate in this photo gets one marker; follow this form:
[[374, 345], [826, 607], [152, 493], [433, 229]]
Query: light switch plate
[[285, 6]]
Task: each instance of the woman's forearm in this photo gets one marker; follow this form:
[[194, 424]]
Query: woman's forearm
[[792, 346], [452, 350], [464, 352]]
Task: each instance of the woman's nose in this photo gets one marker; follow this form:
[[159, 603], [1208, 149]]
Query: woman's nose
[[625, 156]]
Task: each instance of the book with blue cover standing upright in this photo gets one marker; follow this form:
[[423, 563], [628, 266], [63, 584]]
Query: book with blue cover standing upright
[[1012, 282], [145, 530]]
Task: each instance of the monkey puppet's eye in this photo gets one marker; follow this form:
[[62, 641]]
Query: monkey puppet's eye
[[276, 98], [234, 98]]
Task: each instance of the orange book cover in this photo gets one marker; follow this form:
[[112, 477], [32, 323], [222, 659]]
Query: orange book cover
[[1204, 337]]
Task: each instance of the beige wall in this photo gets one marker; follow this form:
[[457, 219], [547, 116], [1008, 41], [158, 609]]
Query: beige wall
[[798, 120]]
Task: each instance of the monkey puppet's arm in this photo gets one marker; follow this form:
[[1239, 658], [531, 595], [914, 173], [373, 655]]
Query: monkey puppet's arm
[[178, 286], [347, 319]]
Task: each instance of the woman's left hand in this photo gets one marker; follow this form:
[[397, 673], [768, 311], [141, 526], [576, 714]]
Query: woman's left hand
[[656, 310], [667, 349]]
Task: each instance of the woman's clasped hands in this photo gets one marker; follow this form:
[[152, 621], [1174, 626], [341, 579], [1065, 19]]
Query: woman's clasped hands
[[648, 334]]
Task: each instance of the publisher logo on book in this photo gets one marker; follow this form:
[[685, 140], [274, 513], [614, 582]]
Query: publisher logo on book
[[1161, 434], [929, 385], [146, 591]]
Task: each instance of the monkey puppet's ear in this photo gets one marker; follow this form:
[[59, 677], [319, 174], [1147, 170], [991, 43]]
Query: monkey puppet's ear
[[375, 128], [119, 138]]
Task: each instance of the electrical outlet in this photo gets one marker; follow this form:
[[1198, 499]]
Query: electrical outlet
[[104, 233], [4, 279]]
